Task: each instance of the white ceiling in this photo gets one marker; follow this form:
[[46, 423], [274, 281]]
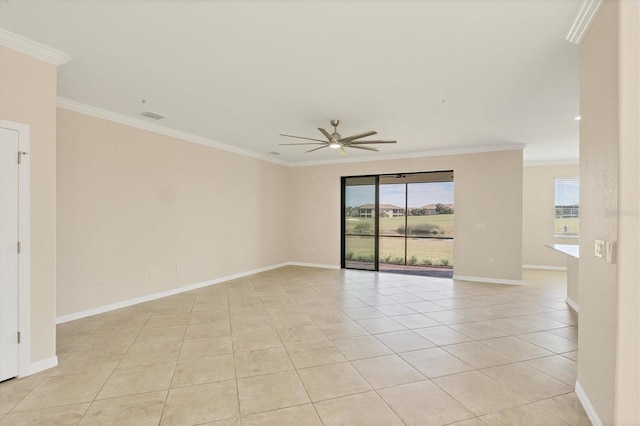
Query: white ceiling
[[435, 75]]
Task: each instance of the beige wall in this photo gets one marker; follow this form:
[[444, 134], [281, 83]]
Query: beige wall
[[627, 391], [598, 193], [135, 206], [28, 88], [488, 209], [123, 193], [609, 330], [538, 192]]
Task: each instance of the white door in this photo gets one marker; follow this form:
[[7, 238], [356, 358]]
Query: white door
[[8, 253]]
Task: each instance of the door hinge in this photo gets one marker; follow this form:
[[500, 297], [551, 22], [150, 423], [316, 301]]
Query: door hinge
[[19, 336], [19, 247], [20, 154]]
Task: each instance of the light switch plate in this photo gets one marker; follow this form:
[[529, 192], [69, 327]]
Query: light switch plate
[[600, 249]]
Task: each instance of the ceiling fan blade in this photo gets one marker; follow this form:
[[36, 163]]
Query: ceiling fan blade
[[304, 143], [366, 142], [362, 147], [302, 137], [358, 136], [341, 151], [315, 149], [327, 135]]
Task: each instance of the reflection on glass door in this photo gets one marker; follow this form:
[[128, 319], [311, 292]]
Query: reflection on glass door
[[360, 222]]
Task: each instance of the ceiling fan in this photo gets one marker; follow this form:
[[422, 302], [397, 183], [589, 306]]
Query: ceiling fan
[[336, 141]]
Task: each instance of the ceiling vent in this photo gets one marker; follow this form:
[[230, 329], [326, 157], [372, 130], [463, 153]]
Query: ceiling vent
[[153, 115]]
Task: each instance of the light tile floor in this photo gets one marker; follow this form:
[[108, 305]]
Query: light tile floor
[[305, 346]]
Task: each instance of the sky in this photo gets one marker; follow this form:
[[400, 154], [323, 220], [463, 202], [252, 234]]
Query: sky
[[420, 194], [567, 191]]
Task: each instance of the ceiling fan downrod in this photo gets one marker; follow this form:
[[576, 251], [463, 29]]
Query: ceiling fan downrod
[[335, 135]]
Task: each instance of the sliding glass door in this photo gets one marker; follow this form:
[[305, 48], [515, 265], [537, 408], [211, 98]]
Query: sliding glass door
[[429, 230], [398, 222], [360, 222], [393, 221]]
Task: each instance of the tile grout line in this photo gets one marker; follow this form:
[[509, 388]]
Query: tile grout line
[[233, 354], [303, 385], [333, 299], [166, 398], [298, 373], [112, 371]]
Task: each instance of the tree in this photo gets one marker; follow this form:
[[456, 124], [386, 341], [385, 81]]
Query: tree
[[442, 209]]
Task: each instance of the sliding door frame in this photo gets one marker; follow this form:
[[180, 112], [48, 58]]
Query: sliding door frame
[[376, 221], [376, 235]]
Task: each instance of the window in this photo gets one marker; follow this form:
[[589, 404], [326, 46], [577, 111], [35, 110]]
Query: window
[[567, 206]]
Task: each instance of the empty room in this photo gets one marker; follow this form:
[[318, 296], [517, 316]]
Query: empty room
[[319, 212]]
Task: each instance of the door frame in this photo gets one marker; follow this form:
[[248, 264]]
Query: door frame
[[24, 219], [377, 213], [343, 237]]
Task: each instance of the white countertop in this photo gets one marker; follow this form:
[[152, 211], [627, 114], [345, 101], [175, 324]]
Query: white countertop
[[572, 250]]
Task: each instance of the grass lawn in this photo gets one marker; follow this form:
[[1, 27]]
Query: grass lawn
[[572, 224], [419, 251], [390, 225]]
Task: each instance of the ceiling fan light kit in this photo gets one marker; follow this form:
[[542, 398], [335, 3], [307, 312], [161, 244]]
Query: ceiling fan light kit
[[336, 141]]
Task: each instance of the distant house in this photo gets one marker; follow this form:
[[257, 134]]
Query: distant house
[[569, 211], [431, 208], [389, 210]]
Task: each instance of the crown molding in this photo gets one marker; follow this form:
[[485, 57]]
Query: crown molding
[[586, 14], [435, 153], [32, 48], [141, 124]]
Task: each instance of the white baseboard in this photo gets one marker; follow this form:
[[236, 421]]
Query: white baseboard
[[545, 267], [125, 303], [572, 304], [150, 297], [45, 364], [487, 280], [313, 265], [586, 404]]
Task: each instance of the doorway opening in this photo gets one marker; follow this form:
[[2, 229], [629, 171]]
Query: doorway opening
[[399, 223]]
